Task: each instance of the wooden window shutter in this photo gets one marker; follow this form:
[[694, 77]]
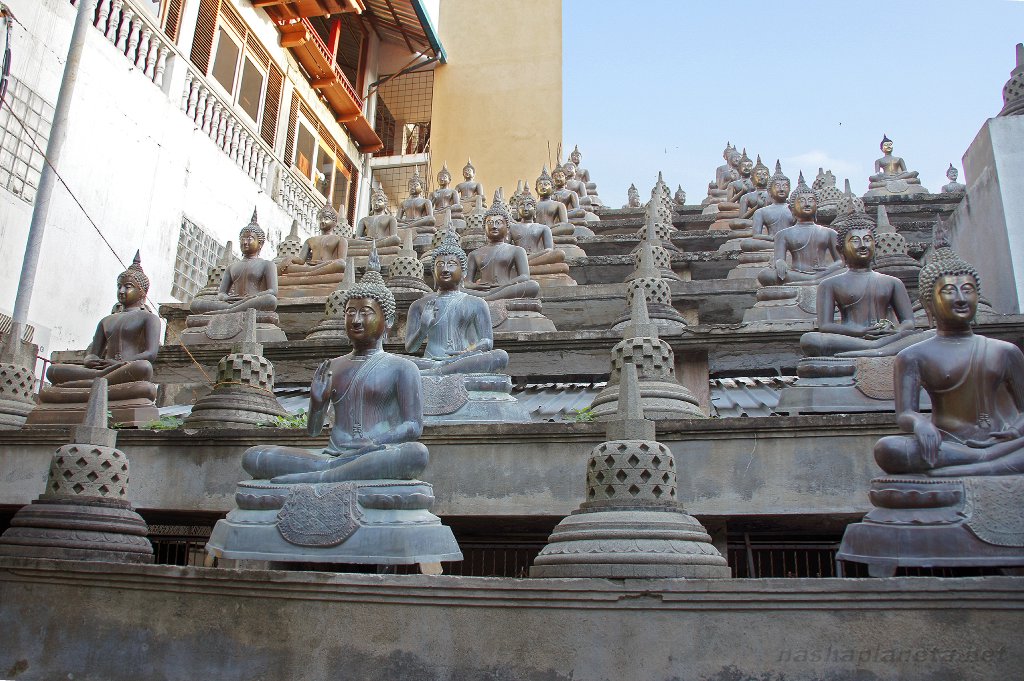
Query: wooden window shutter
[[172, 20], [272, 105], [206, 25], [293, 119]]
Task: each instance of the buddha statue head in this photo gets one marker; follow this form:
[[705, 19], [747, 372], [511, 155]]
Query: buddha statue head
[[728, 150], [327, 218], [803, 202], [855, 238], [444, 176], [575, 156], [369, 310], [544, 184], [949, 288], [569, 168], [527, 206], [252, 237], [759, 174], [680, 196], [497, 219], [132, 285], [558, 176], [415, 184], [733, 158], [468, 171], [885, 145], [745, 165], [378, 201], [952, 173], [778, 185], [450, 263]]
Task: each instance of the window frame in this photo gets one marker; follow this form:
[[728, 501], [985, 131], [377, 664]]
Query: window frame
[[244, 53], [320, 147]]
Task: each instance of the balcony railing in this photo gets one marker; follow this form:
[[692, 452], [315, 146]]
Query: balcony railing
[[137, 35]]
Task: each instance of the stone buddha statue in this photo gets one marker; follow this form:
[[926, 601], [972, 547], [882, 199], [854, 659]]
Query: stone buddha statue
[[577, 216], [772, 218], [417, 213], [953, 187], [378, 413], [891, 176], [550, 211], [547, 263], [810, 247], [379, 227], [724, 174], [122, 352], [471, 192], [248, 284], [583, 175], [445, 198], [320, 263], [680, 196], [499, 270], [976, 387], [573, 184], [633, 197], [379, 513], [752, 200]]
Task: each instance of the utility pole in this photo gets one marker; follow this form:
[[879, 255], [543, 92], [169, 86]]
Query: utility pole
[[58, 132]]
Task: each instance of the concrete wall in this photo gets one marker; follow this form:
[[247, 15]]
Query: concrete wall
[[787, 466], [111, 622], [499, 99], [988, 226]]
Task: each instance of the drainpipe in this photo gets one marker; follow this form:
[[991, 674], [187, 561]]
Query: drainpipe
[[58, 132]]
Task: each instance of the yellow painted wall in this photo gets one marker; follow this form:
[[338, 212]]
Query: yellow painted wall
[[498, 99]]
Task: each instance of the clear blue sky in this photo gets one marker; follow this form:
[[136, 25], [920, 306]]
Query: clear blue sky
[[662, 85]]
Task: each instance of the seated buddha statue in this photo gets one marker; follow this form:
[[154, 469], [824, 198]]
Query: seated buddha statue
[[583, 175], [633, 197], [766, 222], [378, 412], [550, 211], [321, 260], [751, 201], [810, 247], [248, 284], [471, 192], [571, 200], [455, 326], [891, 176], [122, 351], [416, 212], [445, 198], [574, 184], [379, 227], [875, 311], [547, 263], [499, 270], [724, 174], [976, 387], [953, 187]]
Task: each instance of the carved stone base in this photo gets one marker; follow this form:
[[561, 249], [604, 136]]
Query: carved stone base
[[939, 522], [471, 398], [519, 315], [84, 528], [235, 406], [17, 395], [668, 319], [312, 289], [133, 412], [660, 399], [383, 522], [837, 385], [550, 280], [226, 329], [896, 188], [329, 328], [778, 303]]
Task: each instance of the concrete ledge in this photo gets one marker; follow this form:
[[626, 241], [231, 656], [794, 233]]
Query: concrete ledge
[[113, 622]]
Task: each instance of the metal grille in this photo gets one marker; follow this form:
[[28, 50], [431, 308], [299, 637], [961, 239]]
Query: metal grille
[[21, 162], [197, 253], [783, 560], [395, 182], [179, 544], [408, 100]]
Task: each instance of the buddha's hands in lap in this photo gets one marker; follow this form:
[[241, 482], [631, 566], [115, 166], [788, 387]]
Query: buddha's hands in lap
[[995, 438], [880, 329], [929, 438], [100, 363]]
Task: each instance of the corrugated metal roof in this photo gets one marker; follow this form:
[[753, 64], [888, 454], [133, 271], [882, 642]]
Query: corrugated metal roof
[[756, 396]]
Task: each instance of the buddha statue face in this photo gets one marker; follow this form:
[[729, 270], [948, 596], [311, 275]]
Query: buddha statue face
[[886, 146], [128, 292], [733, 158], [558, 177], [365, 323], [858, 247], [448, 272], [952, 174], [328, 220], [569, 169], [469, 172], [527, 209], [746, 166], [415, 186], [444, 178], [805, 207], [544, 187], [496, 227], [378, 203], [250, 243], [761, 177], [576, 156], [779, 190], [954, 301]]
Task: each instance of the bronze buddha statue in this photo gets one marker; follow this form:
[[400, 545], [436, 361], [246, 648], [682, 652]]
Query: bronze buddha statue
[[321, 260], [953, 187], [379, 227], [891, 176], [445, 198], [249, 283], [547, 262], [416, 212], [471, 192], [550, 211], [499, 270]]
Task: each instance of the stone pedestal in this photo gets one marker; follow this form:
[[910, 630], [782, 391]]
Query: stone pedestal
[[919, 521], [988, 225], [226, 329], [130, 404], [778, 303], [896, 188], [838, 385], [382, 522], [309, 287], [470, 398], [519, 315]]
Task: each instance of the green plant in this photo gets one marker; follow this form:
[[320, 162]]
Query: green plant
[[296, 420], [165, 422], [584, 415]]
